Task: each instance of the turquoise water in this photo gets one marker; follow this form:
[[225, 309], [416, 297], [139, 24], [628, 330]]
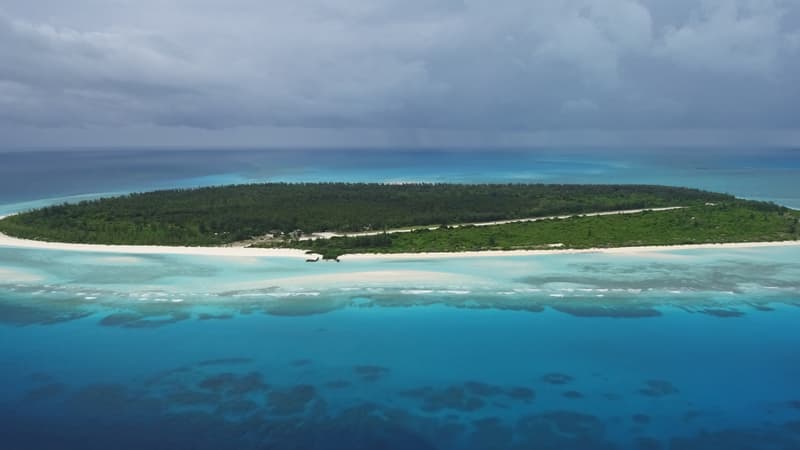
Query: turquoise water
[[678, 349]]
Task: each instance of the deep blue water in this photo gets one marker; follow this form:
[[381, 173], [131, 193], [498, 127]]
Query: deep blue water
[[680, 349]]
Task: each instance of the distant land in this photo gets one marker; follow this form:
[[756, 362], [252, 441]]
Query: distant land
[[333, 219]]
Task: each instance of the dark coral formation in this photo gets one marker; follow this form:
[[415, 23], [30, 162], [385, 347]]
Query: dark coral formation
[[224, 361], [206, 316], [482, 389], [658, 388], [616, 311], [371, 373], [723, 313], [567, 430], [521, 393], [193, 398], [338, 384], [206, 411], [454, 398], [50, 314], [557, 378], [572, 395], [233, 384], [292, 400], [470, 396], [138, 320]]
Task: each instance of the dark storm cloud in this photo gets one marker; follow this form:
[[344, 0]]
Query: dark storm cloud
[[512, 66]]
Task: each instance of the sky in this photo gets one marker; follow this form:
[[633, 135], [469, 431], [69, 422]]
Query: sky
[[399, 72]]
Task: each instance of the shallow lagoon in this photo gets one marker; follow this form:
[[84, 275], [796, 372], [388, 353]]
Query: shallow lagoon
[[688, 348]]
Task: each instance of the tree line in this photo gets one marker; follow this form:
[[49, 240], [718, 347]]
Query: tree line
[[730, 221], [225, 214]]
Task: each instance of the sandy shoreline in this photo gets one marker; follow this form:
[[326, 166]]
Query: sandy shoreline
[[8, 241], [614, 250], [11, 242]]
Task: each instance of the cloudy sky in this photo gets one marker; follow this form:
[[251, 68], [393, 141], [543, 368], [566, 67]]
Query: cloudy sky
[[398, 72]]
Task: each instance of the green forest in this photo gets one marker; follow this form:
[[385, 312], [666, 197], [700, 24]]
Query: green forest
[[228, 214], [730, 221]]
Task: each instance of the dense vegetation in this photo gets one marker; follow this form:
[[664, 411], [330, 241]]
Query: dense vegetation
[[730, 221], [221, 215]]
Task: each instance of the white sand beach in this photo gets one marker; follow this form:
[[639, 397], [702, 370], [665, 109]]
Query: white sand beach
[[239, 252], [8, 241], [233, 252], [614, 250]]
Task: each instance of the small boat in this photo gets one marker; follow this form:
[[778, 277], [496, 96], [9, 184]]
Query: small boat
[[313, 260]]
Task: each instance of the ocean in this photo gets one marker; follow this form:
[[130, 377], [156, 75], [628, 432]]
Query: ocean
[[678, 349]]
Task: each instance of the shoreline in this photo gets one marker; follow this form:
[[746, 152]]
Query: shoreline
[[567, 251], [12, 242]]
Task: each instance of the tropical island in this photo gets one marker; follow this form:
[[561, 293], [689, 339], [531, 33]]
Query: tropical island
[[333, 219]]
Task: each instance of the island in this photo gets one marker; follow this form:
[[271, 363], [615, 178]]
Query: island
[[334, 219]]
